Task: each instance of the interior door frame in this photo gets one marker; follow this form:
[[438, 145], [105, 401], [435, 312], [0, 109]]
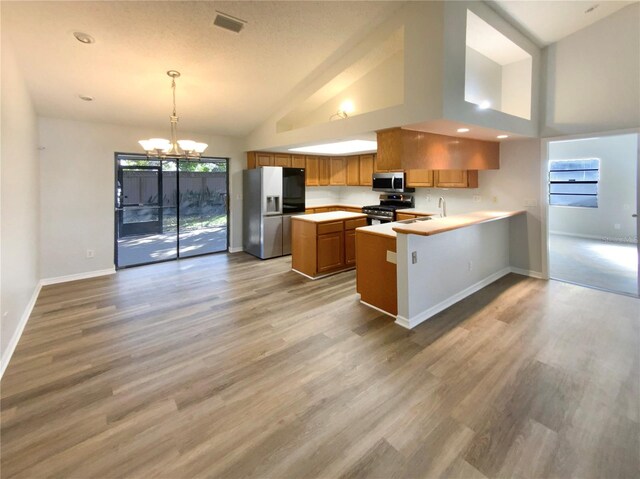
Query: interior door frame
[[544, 189], [215, 159]]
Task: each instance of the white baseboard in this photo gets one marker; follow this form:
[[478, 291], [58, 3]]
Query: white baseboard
[[75, 277], [11, 347], [411, 323], [527, 272], [235, 249]]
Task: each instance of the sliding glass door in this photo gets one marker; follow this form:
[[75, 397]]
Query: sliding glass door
[[167, 209]]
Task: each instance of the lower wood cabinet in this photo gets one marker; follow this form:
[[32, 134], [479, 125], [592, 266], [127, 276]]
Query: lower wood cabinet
[[321, 248], [330, 251], [404, 216]]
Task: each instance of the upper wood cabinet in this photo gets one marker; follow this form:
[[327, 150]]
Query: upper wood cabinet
[[312, 177], [353, 171], [420, 178], [337, 171], [298, 161], [408, 150], [324, 174], [366, 169], [264, 159], [283, 160], [456, 178]]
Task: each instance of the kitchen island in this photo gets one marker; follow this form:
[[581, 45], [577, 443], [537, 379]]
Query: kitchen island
[[324, 243], [412, 269]]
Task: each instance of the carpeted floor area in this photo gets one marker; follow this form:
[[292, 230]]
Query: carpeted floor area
[[596, 263]]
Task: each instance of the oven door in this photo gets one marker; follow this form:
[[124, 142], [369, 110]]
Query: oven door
[[377, 220]]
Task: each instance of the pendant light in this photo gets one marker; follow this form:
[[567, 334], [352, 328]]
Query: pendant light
[[161, 147]]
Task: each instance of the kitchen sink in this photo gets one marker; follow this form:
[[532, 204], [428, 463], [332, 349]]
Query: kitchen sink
[[414, 220]]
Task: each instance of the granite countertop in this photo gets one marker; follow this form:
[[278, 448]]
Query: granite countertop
[[334, 205], [329, 216], [441, 225]]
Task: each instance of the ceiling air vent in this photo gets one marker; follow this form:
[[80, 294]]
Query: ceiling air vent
[[228, 22]]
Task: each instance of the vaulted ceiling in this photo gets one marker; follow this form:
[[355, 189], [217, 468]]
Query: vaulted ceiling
[[230, 82]]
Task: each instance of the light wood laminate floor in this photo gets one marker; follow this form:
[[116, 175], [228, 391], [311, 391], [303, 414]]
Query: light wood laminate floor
[[226, 366]]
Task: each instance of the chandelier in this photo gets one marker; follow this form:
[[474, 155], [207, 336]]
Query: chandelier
[[161, 148]]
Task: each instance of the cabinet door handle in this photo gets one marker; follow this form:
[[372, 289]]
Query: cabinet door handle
[[634, 215]]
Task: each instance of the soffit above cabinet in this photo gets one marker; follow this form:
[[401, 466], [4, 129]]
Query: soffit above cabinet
[[408, 149]]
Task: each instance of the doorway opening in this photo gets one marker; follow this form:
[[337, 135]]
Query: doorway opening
[[169, 209], [593, 225]]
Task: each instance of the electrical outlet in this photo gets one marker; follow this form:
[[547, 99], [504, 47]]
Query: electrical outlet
[[470, 265], [414, 257], [91, 253], [494, 199], [428, 198], [477, 198]]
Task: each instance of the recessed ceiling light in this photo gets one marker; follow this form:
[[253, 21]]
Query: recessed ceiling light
[[340, 148], [84, 37], [463, 130], [484, 105], [502, 136], [85, 97]]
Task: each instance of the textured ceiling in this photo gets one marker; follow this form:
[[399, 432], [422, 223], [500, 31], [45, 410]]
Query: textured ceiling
[[230, 82], [547, 22]]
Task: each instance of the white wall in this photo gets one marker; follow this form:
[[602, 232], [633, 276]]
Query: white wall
[[447, 265], [517, 180], [616, 188], [593, 77], [77, 190], [20, 204], [453, 73], [483, 79], [516, 88]]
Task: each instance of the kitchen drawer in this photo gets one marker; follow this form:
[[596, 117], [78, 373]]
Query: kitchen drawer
[[353, 224], [324, 228]]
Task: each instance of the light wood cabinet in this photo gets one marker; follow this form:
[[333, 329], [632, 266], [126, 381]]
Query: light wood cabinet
[[407, 149], [321, 248], [420, 178], [298, 161], [350, 247], [375, 275], [366, 169], [324, 174], [264, 159], [312, 173], [456, 178], [404, 216], [353, 171], [338, 171], [330, 251], [282, 160]]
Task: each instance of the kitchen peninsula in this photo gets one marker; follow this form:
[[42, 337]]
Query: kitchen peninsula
[[414, 269]]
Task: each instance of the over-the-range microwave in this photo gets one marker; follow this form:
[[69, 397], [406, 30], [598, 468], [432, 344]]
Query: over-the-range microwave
[[391, 182]]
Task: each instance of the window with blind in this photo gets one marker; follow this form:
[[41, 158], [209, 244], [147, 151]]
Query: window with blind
[[574, 182]]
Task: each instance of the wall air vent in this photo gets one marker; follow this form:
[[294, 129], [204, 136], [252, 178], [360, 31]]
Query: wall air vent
[[228, 22]]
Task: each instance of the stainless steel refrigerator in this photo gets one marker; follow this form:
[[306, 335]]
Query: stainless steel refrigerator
[[271, 195]]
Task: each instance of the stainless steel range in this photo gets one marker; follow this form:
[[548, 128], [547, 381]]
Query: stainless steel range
[[385, 212]]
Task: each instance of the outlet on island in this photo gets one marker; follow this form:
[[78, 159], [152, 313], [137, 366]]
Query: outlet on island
[[91, 253]]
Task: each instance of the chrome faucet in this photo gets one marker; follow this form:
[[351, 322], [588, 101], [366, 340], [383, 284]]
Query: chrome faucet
[[442, 203]]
